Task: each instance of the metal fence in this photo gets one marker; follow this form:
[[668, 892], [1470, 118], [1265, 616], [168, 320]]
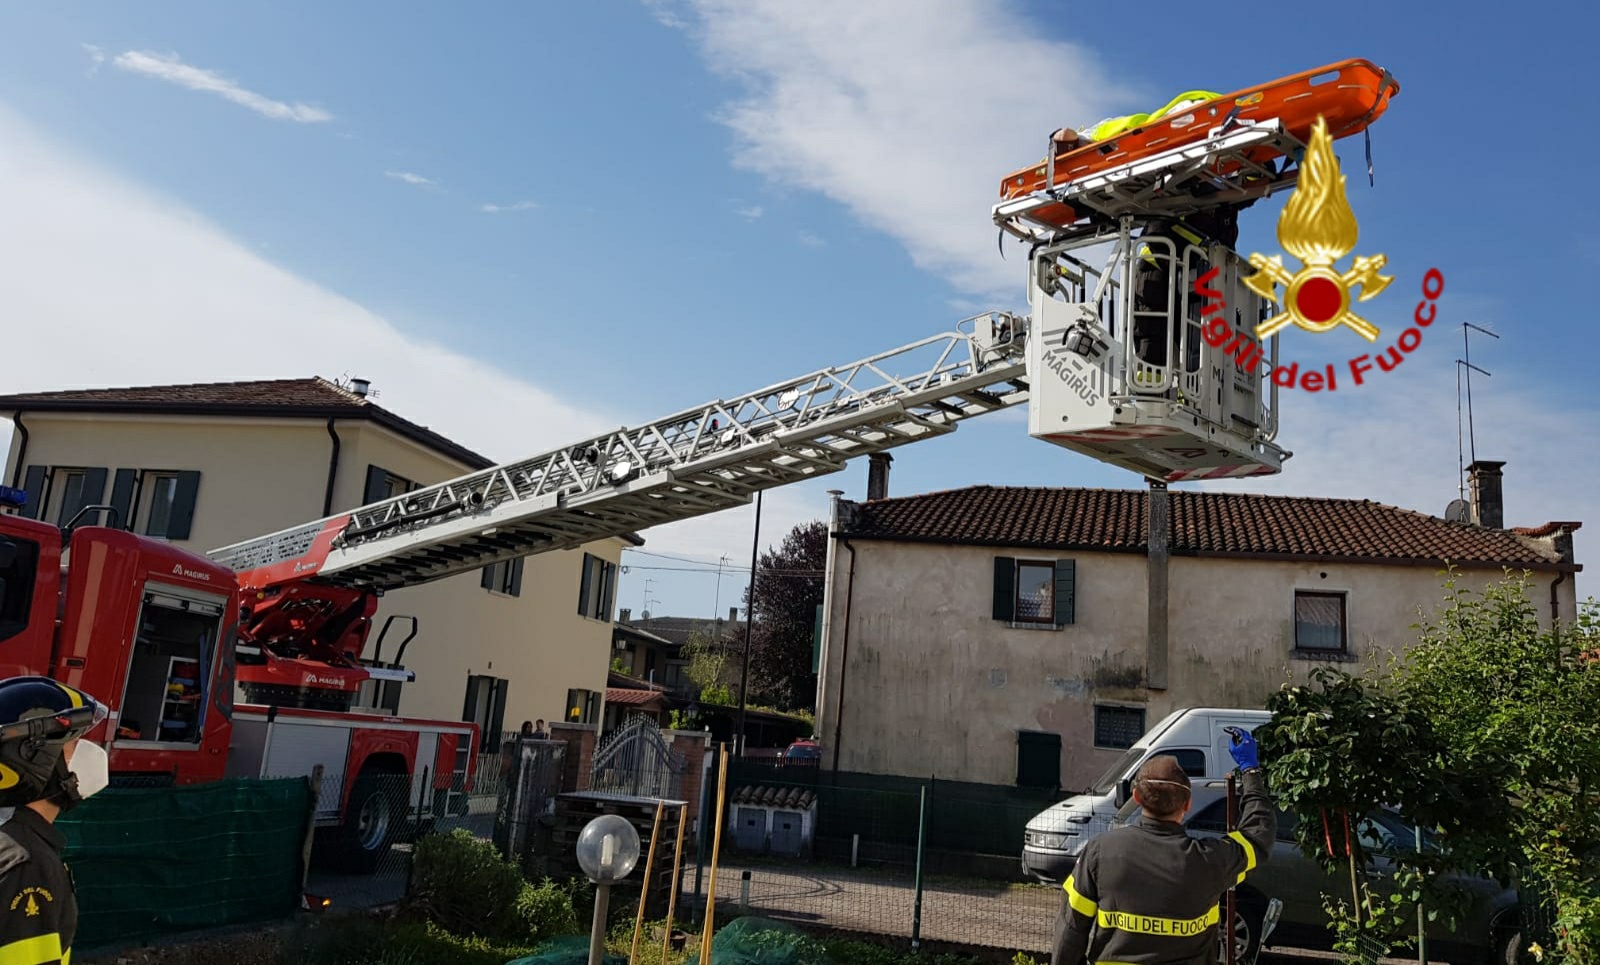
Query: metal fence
[[924, 861], [359, 855]]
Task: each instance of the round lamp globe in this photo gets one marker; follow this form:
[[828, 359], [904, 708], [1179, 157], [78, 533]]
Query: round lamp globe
[[608, 848]]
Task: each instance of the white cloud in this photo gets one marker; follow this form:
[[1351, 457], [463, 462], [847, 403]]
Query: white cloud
[[170, 68], [163, 271], [810, 240], [750, 213], [410, 178], [96, 58], [498, 208], [907, 112]]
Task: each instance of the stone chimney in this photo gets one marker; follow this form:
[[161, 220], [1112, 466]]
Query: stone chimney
[[733, 615], [878, 475], [1488, 504], [623, 615]]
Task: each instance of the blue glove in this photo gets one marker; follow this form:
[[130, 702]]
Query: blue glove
[[1243, 748]]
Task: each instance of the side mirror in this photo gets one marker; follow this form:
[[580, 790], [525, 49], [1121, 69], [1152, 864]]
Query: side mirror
[[1124, 792]]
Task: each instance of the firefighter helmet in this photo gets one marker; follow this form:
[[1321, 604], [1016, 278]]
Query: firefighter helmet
[[38, 716]]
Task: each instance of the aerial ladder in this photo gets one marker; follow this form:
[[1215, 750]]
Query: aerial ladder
[[1070, 359]]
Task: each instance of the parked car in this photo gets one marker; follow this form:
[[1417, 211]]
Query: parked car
[[1054, 837], [803, 752], [1485, 935]]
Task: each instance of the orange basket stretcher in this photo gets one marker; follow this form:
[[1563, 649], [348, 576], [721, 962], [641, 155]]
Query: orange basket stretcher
[[1223, 148]]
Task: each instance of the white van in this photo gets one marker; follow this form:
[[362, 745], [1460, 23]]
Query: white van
[[1195, 736]]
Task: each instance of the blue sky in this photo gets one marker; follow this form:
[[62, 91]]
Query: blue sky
[[690, 199]]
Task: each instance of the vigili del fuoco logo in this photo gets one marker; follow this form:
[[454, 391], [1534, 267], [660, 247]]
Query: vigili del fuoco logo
[[1318, 228]]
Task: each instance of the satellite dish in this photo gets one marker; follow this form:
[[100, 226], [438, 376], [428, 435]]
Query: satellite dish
[[1458, 511], [645, 615]]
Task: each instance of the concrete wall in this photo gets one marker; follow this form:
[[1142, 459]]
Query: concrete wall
[[260, 475], [931, 684]]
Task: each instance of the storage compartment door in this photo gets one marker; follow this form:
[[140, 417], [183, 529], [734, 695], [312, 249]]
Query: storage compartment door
[[294, 749]]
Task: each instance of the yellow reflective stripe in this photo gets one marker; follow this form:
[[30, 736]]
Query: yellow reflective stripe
[[1075, 898], [72, 695], [1192, 238], [32, 951], [1249, 854], [1153, 925]]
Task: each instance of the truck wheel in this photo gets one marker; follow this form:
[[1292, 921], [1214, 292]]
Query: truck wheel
[[371, 822]]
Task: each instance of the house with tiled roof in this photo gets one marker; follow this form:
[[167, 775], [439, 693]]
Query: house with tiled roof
[[210, 464], [1027, 636]]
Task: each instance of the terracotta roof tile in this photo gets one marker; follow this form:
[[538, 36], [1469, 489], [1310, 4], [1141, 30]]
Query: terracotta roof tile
[[618, 695], [1203, 524]]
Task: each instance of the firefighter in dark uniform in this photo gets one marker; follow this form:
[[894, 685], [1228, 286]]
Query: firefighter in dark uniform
[[1154, 275], [45, 768], [1148, 892]]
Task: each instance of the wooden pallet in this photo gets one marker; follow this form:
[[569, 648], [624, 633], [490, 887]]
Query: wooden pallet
[[575, 810]]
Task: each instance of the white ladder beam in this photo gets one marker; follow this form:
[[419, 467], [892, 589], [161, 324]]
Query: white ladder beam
[[691, 463]]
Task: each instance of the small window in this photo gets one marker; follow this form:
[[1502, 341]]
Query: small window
[[1117, 727], [504, 577], [597, 588], [1035, 592], [19, 566], [1038, 759], [78, 488], [583, 706], [486, 707], [1192, 761], [1319, 622], [163, 497], [383, 484]]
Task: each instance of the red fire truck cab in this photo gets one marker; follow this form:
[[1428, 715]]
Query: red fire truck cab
[[155, 633]]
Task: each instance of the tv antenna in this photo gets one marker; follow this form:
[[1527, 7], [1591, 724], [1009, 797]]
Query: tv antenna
[[1464, 370]]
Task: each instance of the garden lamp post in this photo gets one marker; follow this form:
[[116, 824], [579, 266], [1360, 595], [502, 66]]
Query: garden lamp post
[[608, 848]]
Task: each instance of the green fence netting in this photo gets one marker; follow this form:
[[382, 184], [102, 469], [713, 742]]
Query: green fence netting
[[150, 861], [762, 941]]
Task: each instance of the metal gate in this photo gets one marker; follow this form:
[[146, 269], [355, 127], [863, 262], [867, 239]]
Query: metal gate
[[637, 760], [532, 779]]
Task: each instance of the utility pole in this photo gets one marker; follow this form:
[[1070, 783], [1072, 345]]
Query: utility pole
[[749, 626]]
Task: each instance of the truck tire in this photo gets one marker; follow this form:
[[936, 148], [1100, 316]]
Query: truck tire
[[371, 822]]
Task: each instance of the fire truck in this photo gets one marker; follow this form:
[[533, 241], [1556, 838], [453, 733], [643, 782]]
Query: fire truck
[[249, 661]]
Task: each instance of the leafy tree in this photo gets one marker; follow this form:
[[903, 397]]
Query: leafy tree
[[1484, 732], [711, 666], [788, 588]]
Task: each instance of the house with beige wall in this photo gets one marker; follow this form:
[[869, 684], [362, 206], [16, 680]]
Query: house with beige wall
[[208, 465], [1028, 636]]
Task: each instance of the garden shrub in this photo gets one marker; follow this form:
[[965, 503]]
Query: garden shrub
[[463, 884], [546, 911]]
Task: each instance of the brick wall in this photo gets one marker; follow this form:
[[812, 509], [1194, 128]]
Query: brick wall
[[694, 746], [577, 764]]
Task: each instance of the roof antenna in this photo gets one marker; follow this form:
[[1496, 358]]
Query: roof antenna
[[1464, 365]]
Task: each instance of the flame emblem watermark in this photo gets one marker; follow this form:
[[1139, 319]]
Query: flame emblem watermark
[[1318, 227]]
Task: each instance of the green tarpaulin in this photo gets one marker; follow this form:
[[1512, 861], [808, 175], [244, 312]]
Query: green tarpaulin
[[149, 861]]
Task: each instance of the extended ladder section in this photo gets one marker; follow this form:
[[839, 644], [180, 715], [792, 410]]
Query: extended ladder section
[[1232, 164], [695, 462]]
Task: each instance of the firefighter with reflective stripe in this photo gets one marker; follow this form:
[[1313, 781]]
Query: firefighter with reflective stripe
[[1149, 893], [45, 768]]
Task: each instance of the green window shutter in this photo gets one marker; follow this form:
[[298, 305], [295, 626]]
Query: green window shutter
[[33, 482], [1066, 592], [377, 485], [1005, 587], [183, 500], [516, 577], [583, 586], [122, 497]]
